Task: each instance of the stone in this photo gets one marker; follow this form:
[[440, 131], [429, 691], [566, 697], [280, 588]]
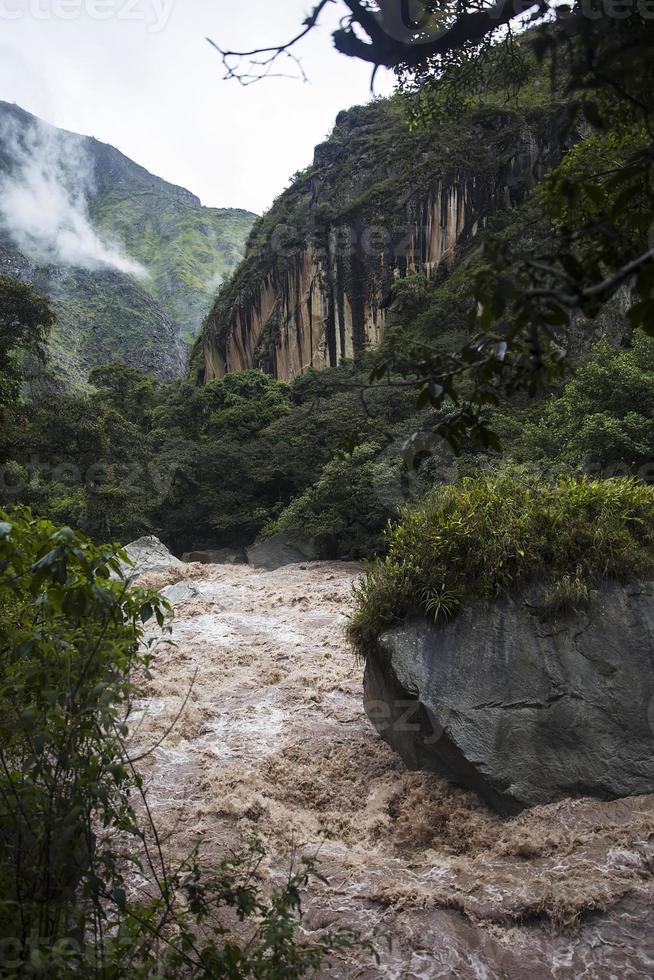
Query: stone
[[222, 556], [522, 710], [148, 554], [281, 549], [181, 592]]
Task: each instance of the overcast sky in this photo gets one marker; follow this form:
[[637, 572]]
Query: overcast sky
[[140, 75]]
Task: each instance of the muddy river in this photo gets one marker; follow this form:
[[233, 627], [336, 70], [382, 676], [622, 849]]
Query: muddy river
[[274, 737]]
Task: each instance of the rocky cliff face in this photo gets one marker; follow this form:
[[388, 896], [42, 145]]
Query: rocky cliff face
[[380, 201]]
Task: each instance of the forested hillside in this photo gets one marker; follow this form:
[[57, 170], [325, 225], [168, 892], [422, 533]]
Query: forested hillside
[[332, 454], [419, 424], [130, 262]]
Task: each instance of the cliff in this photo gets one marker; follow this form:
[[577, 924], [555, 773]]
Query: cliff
[[381, 199]]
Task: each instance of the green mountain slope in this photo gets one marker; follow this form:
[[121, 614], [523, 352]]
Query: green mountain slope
[[146, 259]]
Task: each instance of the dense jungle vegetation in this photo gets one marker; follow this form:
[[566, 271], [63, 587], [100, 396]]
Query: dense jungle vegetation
[[499, 358], [511, 389]]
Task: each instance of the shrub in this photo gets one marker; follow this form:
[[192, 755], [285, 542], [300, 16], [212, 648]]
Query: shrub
[[75, 848], [494, 534], [69, 640], [604, 418], [569, 595], [349, 505]]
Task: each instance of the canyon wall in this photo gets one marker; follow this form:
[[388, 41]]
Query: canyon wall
[[382, 200]]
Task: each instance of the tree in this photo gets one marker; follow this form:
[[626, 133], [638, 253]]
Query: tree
[[125, 389], [346, 509], [603, 421], [25, 322]]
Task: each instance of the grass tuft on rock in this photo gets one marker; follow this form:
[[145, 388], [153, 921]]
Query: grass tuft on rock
[[493, 535]]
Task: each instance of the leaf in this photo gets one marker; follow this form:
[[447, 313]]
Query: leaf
[[48, 560], [593, 115], [120, 898], [146, 612], [423, 399]]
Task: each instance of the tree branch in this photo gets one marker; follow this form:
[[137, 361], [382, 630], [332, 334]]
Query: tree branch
[[384, 50], [381, 49], [274, 52], [596, 292]]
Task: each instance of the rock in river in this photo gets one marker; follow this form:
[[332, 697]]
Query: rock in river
[[522, 710]]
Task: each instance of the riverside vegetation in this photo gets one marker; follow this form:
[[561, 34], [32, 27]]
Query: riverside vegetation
[[551, 476], [75, 826]]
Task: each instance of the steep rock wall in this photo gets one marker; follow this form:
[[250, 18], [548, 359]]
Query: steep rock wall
[[315, 283]]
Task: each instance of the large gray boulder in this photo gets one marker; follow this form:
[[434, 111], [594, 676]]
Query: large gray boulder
[[148, 554], [522, 710], [281, 549]]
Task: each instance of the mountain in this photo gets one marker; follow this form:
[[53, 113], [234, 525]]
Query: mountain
[[130, 261], [381, 200]]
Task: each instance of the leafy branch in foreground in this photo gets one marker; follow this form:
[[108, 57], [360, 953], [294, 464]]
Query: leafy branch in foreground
[[387, 33], [76, 832]]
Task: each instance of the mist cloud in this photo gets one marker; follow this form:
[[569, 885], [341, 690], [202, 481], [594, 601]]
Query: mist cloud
[[44, 200]]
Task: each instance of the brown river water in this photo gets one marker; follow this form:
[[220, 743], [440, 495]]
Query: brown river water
[[274, 737]]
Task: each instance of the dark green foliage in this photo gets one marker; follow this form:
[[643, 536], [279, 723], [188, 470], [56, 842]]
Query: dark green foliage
[[25, 323], [603, 421], [347, 507], [198, 466], [73, 844], [69, 639], [239, 406], [124, 390], [497, 534], [81, 461], [253, 444]]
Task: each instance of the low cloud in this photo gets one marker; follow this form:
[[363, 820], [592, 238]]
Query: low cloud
[[44, 200]]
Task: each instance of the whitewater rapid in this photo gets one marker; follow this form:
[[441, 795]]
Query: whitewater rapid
[[273, 737]]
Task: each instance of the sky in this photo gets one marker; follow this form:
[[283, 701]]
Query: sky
[[139, 74]]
